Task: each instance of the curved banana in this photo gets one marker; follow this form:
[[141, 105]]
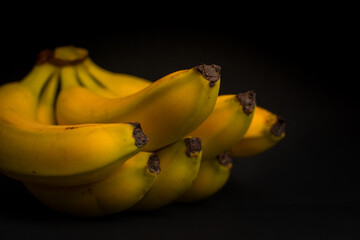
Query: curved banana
[[60, 155], [118, 192], [168, 109], [213, 175], [180, 164], [227, 123], [91, 83], [265, 131], [120, 83], [46, 106]]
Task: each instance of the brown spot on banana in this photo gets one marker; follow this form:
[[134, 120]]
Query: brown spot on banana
[[71, 128]]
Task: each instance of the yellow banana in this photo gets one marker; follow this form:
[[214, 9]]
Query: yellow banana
[[168, 109], [213, 175], [90, 83], [265, 131], [227, 123], [46, 105], [180, 164], [118, 192], [119, 83], [60, 155]]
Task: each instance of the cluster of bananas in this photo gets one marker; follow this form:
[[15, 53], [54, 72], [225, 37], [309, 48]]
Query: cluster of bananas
[[89, 142]]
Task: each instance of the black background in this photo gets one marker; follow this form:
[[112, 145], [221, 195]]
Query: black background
[[300, 66]]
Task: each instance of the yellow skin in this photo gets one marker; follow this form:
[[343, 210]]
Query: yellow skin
[[225, 126], [168, 109], [56, 155], [119, 83], [45, 112], [118, 192], [213, 175], [178, 171], [88, 81], [259, 137]]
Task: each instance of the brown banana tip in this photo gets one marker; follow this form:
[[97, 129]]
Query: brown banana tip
[[210, 72], [140, 138], [154, 163], [247, 100], [193, 145], [279, 127], [224, 159]]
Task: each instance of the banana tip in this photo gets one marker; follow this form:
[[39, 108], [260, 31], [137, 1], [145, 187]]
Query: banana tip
[[193, 145], [279, 127], [224, 159], [154, 163], [140, 138], [210, 72], [247, 100]]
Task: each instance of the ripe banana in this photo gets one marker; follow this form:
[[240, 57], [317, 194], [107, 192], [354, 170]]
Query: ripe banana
[[213, 175], [180, 164], [60, 155], [168, 109], [46, 105], [91, 83], [227, 123], [265, 131], [118, 192], [119, 83]]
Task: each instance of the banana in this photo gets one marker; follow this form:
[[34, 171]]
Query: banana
[[168, 109], [180, 164], [46, 106], [213, 175], [118, 192], [120, 84], [227, 123], [57, 155], [265, 131], [90, 83]]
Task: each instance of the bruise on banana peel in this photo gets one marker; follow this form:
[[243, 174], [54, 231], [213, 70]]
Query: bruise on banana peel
[[278, 128], [248, 101], [210, 72], [193, 146]]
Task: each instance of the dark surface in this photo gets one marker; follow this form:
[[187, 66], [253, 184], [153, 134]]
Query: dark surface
[[306, 187]]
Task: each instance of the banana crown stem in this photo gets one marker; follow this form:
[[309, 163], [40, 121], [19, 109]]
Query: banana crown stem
[[62, 56]]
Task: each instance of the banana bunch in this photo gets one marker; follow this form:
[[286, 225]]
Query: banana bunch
[[90, 142]]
